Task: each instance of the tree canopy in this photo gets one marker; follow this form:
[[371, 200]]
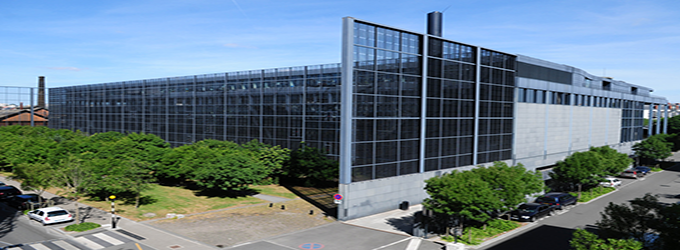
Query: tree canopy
[[481, 193], [654, 147]]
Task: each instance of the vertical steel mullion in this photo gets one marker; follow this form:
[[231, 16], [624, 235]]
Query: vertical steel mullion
[[423, 102], [475, 139]]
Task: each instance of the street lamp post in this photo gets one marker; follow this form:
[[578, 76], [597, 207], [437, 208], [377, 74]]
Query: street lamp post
[[113, 211]]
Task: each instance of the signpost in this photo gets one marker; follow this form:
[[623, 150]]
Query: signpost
[[113, 211], [338, 198]]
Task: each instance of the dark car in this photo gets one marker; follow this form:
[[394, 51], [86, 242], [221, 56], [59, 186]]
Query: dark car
[[644, 170], [532, 211], [556, 199], [24, 201], [8, 191]]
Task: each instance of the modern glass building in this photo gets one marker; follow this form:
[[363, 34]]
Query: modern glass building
[[401, 107]]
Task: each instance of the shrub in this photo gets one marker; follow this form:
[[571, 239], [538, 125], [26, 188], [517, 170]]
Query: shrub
[[82, 227]]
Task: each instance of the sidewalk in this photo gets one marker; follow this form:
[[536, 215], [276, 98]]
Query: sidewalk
[[147, 236]]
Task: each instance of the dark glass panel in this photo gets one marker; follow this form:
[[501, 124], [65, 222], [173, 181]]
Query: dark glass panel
[[410, 128], [364, 106], [385, 152], [364, 82], [410, 107], [431, 148], [433, 108], [450, 108], [408, 167], [432, 128], [363, 154], [449, 146], [450, 89], [363, 130], [435, 47], [388, 84], [431, 164], [409, 150], [449, 127], [433, 87], [465, 145], [386, 129], [434, 67], [387, 106], [385, 170], [449, 162], [362, 173], [410, 86]]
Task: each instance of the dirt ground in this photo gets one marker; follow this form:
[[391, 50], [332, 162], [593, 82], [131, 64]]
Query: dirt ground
[[234, 226]]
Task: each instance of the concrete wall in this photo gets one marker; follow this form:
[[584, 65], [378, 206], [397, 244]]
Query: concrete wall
[[547, 133]]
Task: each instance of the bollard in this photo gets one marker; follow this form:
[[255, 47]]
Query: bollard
[[311, 212], [283, 207], [271, 204]]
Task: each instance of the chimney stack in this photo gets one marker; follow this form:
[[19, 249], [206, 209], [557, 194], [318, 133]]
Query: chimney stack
[[41, 91], [434, 23]]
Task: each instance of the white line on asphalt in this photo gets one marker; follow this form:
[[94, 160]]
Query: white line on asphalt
[[88, 243], [39, 246], [393, 243], [65, 245], [108, 239], [413, 244]]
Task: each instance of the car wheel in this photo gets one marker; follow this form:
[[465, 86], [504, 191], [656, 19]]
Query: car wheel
[[532, 219]]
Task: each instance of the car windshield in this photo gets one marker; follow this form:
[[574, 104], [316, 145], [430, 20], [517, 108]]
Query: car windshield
[[527, 209], [57, 213], [545, 200]]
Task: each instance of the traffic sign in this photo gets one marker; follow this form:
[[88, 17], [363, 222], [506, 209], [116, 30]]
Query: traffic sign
[[337, 196]]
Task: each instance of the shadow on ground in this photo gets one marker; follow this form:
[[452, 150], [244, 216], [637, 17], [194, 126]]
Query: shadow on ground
[[320, 198], [540, 238]]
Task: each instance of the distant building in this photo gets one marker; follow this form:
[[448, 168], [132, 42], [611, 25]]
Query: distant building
[[24, 117], [400, 108]]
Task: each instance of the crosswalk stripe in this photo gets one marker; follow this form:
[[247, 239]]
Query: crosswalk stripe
[[65, 245], [88, 243], [413, 244], [39, 246], [108, 239]]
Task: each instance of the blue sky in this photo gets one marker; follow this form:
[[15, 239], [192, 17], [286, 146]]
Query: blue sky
[[83, 42]]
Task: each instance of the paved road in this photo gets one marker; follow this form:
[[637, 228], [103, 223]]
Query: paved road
[[16, 228], [340, 236], [556, 231]]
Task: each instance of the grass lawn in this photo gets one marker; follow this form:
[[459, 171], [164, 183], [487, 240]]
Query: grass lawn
[[180, 200]]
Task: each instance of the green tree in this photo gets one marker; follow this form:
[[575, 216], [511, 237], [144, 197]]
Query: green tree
[[621, 221], [272, 157], [511, 184], [584, 240], [229, 171], [463, 194], [612, 161], [35, 176], [580, 168], [74, 175], [654, 147], [312, 165]]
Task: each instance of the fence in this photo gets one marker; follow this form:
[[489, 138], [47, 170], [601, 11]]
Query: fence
[[23, 106]]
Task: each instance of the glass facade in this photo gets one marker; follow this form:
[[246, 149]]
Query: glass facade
[[415, 93], [281, 106]]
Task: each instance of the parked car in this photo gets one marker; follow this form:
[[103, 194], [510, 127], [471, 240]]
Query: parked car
[[644, 170], [610, 182], [631, 173], [8, 191], [24, 201], [50, 215], [531, 211], [557, 199]]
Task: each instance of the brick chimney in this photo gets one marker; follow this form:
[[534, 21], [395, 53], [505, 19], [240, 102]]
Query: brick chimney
[[41, 91]]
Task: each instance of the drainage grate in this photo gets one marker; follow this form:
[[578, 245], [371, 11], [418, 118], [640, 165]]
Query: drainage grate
[[134, 236]]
